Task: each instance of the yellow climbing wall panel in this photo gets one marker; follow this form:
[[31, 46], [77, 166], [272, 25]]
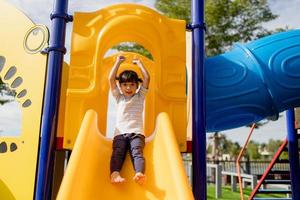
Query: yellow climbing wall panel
[[94, 34], [22, 68]]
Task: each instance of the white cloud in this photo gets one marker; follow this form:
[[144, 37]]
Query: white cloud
[[10, 119], [273, 130], [92, 5], [111, 115], [39, 11], [288, 12]]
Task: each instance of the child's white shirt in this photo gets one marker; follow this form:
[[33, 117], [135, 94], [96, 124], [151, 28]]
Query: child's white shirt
[[130, 112]]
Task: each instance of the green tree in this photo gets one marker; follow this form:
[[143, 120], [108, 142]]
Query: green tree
[[2, 86], [235, 150], [133, 47], [228, 147], [252, 151], [177, 9], [284, 156], [227, 21], [5, 92], [273, 146]]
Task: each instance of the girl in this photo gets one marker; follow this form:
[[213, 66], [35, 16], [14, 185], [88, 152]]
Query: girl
[[128, 133]]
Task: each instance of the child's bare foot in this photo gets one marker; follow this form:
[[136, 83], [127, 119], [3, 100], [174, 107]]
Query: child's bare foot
[[140, 178], [115, 177]]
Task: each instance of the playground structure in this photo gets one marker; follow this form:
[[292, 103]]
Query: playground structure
[[249, 83]]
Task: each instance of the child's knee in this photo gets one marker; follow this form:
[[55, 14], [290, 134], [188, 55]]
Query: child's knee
[[137, 152], [119, 152]]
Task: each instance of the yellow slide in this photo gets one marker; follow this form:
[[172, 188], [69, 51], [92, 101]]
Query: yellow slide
[[83, 116], [87, 174]]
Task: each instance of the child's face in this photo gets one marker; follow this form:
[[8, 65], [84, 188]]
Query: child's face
[[129, 88]]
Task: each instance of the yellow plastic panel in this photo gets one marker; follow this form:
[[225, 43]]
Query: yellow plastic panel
[[297, 117], [94, 34], [62, 106], [21, 42], [189, 82], [87, 175]]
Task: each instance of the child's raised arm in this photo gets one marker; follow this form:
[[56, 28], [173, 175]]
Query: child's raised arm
[[145, 73], [113, 72]]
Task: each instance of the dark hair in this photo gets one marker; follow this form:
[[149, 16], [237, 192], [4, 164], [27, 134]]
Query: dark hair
[[128, 76]]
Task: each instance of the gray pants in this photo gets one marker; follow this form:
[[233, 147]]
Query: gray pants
[[135, 143]]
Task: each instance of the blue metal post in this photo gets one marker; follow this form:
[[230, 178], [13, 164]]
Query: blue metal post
[[293, 154], [198, 101], [55, 52]]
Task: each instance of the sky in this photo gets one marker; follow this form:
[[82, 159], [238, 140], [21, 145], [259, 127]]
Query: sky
[[289, 15], [11, 118]]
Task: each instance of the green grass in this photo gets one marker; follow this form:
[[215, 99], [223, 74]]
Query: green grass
[[228, 194]]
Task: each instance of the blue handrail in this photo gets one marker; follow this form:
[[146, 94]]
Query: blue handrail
[[198, 101], [293, 153], [55, 52]]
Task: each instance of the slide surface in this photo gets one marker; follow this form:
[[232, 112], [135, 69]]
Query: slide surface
[[87, 175]]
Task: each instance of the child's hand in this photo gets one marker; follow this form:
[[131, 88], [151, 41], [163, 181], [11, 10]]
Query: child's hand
[[120, 59], [137, 61]]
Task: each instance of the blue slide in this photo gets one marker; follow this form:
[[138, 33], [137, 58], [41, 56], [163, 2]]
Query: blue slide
[[253, 81]]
